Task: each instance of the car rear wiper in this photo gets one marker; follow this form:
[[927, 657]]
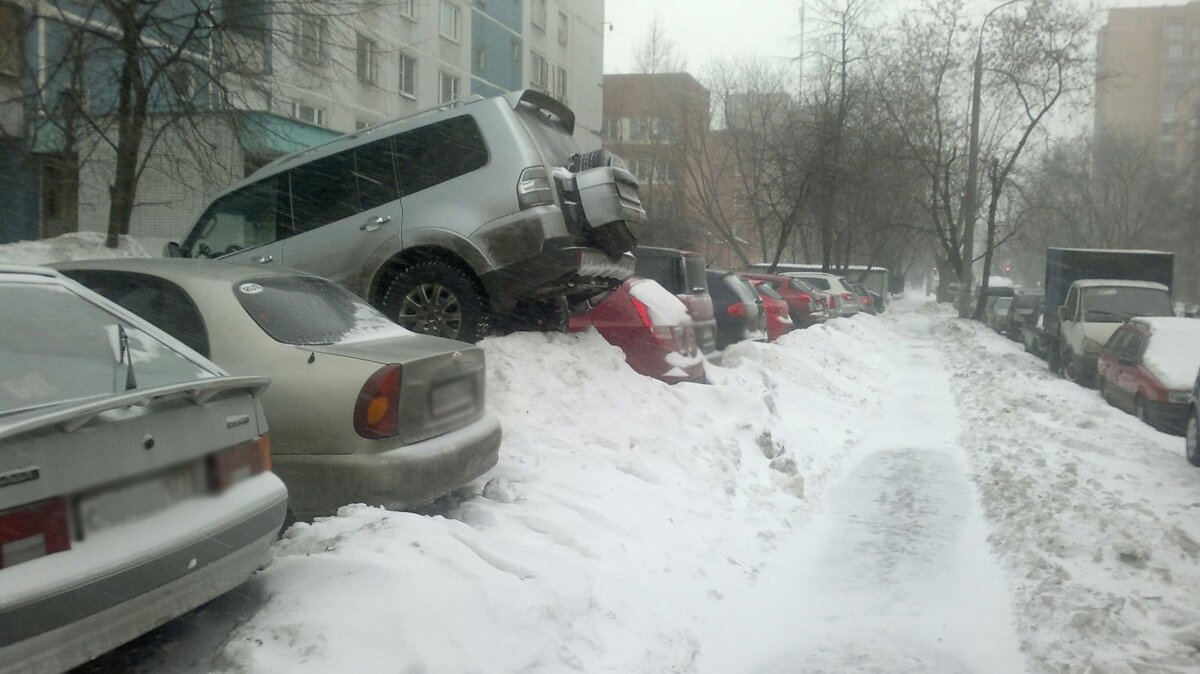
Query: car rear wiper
[[120, 343]]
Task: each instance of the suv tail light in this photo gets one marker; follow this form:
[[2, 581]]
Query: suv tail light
[[239, 462], [377, 412], [533, 188], [33, 531]]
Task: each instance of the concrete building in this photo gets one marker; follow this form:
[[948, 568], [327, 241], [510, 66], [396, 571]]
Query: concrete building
[[315, 76], [1148, 79]]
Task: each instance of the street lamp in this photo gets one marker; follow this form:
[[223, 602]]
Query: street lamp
[[968, 258]]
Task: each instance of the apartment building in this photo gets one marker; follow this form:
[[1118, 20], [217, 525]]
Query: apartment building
[[1148, 80], [307, 77]]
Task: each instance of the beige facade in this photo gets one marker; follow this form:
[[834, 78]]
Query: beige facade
[[1148, 79]]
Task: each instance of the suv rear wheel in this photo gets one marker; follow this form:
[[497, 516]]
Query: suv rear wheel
[[1193, 441], [437, 298]]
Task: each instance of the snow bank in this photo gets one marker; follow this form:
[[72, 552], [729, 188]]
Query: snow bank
[[73, 246], [1093, 512], [622, 513], [1173, 354]]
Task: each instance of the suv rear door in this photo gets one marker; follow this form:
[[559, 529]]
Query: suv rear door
[[343, 207]]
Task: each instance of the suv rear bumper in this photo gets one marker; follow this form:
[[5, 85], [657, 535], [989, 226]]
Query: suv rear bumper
[[404, 477], [559, 269]]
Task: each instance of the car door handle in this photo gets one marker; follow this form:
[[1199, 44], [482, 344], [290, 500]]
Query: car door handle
[[375, 223], [264, 259]]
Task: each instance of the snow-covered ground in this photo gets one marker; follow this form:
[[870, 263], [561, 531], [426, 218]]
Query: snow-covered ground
[[74, 246], [908, 493]]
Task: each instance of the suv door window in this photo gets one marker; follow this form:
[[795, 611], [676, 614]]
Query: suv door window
[[323, 191], [157, 300], [375, 174], [1071, 307], [257, 214], [433, 154]]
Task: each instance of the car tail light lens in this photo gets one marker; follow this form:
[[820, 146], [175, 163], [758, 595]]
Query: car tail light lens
[[865, 300], [659, 331], [239, 462], [377, 412], [805, 297], [533, 188], [833, 302], [847, 296], [737, 310], [33, 531]]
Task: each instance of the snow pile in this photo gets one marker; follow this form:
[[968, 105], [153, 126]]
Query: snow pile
[[664, 308], [1094, 512], [1173, 352], [73, 246], [621, 515]]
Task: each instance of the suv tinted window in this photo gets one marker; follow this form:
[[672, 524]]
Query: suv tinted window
[[697, 280], [439, 152], [663, 270], [252, 216], [157, 300], [309, 310]]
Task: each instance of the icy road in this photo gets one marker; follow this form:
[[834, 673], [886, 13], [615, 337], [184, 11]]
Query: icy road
[[910, 493]]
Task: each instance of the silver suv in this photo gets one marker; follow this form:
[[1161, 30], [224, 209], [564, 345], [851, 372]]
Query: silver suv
[[444, 219]]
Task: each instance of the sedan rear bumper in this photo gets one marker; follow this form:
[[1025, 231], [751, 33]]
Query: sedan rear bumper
[[61, 630], [400, 478]]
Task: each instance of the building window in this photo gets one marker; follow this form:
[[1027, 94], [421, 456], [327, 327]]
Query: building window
[[1175, 51], [539, 71], [367, 59], [447, 88], [360, 124], [448, 23], [480, 60], [408, 9], [539, 14], [308, 113], [610, 129], [516, 50], [1174, 32], [562, 27], [408, 75], [560, 84], [311, 39]]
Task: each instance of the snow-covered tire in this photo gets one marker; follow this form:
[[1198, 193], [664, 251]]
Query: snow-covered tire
[[1192, 443], [1101, 389], [1066, 364], [436, 297]]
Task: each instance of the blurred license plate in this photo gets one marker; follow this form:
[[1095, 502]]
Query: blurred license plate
[[453, 397], [116, 506]]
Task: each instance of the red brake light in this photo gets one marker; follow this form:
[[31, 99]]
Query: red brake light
[[737, 310], [33, 531], [377, 412], [805, 297], [833, 302], [847, 296], [643, 312], [234, 464]]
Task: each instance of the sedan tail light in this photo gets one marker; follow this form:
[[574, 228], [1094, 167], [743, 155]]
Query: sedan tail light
[[659, 331], [239, 462], [805, 297], [377, 412], [847, 296], [833, 302], [737, 310], [33, 531]]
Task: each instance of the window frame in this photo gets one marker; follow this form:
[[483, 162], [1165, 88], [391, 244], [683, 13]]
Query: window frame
[[538, 14], [366, 61], [456, 93], [408, 9], [402, 79], [456, 15], [539, 76], [564, 22], [321, 39]]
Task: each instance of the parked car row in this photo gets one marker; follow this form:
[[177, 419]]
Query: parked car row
[[1118, 334]]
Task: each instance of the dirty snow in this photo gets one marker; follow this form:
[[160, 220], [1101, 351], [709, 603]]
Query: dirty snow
[[73, 246], [1173, 352]]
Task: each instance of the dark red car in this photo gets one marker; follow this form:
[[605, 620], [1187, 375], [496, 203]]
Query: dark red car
[[779, 320], [805, 305], [651, 326], [1148, 367], [682, 272]]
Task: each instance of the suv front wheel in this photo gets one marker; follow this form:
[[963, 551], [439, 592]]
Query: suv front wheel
[[437, 298]]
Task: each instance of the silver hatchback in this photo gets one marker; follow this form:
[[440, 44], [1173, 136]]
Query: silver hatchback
[[448, 220]]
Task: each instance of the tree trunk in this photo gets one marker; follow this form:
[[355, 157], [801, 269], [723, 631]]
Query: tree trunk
[[131, 120]]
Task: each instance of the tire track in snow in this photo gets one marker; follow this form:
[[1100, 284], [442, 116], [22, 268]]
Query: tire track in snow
[[895, 573]]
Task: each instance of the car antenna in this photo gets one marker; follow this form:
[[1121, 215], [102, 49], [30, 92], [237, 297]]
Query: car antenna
[[123, 337]]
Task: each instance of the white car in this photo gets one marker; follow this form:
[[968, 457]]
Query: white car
[[843, 300], [1093, 311]]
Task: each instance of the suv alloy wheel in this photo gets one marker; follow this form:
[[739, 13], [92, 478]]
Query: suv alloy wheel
[[437, 298]]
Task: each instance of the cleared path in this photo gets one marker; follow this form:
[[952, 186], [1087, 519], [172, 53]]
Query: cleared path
[[894, 573]]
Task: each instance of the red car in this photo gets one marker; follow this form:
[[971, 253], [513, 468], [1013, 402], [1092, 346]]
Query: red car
[[682, 272], [779, 321], [1148, 367], [805, 305], [651, 326]]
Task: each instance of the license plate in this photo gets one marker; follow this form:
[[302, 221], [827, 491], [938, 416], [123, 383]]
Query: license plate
[[126, 503], [452, 398]]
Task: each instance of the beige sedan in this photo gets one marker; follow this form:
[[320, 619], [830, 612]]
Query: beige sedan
[[361, 410]]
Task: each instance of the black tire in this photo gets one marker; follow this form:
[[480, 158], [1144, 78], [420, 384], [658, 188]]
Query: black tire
[[1100, 388], [1054, 361], [1139, 409], [594, 159], [548, 314], [1192, 442], [1066, 363], [435, 297]]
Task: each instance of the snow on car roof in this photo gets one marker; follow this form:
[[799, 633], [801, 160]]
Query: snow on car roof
[[1173, 350], [1103, 283], [1108, 250]]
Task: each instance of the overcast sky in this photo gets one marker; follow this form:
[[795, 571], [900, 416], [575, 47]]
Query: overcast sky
[[704, 28]]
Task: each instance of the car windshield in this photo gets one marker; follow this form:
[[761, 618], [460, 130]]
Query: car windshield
[[76, 350], [309, 311], [1116, 304]]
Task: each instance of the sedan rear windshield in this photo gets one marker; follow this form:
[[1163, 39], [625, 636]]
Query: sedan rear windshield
[[307, 311], [56, 346], [742, 288]]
